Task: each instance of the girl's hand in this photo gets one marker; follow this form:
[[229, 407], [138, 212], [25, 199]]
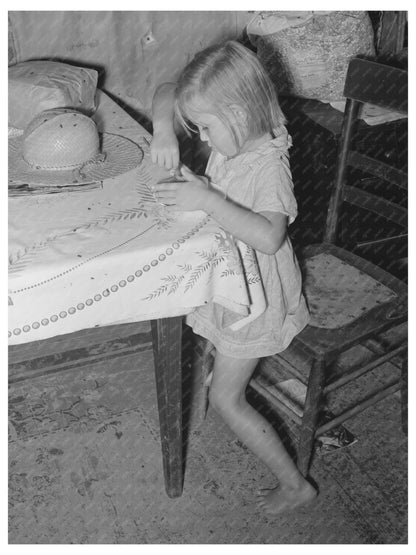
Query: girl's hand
[[184, 195], [164, 149]]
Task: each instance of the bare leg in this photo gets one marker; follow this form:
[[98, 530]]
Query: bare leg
[[227, 397]]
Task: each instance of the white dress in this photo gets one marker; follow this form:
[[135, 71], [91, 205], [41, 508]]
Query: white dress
[[260, 180]]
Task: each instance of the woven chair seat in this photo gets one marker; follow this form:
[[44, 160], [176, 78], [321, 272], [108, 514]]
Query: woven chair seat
[[337, 293]]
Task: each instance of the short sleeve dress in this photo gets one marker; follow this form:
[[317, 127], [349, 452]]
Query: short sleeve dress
[[260, 180]]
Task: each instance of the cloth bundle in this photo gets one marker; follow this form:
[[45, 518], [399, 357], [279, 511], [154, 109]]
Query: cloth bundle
[[38, 85], [307, 53]]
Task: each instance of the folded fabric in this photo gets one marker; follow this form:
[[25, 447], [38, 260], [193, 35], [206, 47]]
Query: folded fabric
[[39, 85]]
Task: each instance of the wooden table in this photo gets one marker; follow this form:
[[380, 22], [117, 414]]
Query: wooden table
[[113, 255]]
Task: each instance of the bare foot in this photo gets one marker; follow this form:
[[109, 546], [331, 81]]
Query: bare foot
[[282, 499]]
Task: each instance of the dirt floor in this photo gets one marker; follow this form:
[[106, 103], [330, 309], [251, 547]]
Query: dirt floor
[[85, 465]]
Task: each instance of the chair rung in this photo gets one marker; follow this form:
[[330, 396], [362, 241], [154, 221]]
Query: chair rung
[[363, 244], [277, 398], [284, 405], [364, 369], [288, 366], [375, 204], [381, 394], [378, 169], [377, 348]]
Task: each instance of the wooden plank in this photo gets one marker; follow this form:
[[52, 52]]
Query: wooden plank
[[76, 340], [78, 357]]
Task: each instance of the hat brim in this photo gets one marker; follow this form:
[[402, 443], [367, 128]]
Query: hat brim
[[121, 156]]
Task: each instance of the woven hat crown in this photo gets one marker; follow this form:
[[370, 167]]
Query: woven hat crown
[[60, 139]]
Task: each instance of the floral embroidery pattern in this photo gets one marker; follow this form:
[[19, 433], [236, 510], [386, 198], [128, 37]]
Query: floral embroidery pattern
[[172, 282], [171, 285], [249, 260], [160, 217], [226, 245], [54, 318], [127, 214], [147, 207], [226, 251], [212, 259]]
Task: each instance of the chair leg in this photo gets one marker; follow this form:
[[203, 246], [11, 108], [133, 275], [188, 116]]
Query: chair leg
[[207, 366], [404, 393], [310, 414], [204, 354]]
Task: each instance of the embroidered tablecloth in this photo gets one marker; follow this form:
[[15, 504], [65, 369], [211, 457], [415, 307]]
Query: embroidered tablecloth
[[113, 254]]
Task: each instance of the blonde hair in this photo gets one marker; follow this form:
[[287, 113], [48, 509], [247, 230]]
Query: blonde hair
[[224, 76]]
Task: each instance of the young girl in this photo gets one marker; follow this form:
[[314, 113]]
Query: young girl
[[225, 93]]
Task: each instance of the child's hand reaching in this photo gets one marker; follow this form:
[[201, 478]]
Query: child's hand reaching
[[164, 149], [187, 195]]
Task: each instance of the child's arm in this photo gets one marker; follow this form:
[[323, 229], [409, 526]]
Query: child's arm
[[264, 231], [164, 149]]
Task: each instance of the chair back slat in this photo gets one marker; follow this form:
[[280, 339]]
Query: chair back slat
[[375, 204], [377, 84], [378, 169], [381, 85]]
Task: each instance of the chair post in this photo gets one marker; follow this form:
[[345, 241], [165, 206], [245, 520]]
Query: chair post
[[350, 117], [311, 414]]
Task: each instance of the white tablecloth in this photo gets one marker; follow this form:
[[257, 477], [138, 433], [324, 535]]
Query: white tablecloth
[[113, 254]]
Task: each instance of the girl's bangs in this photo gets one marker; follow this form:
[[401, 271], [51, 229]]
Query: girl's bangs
[[188, 106], [192, 105]]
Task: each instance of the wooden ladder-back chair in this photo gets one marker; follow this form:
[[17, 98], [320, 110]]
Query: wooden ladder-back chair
[[358, 310]]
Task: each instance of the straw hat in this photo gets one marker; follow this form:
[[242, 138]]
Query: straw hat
[[62, 147]]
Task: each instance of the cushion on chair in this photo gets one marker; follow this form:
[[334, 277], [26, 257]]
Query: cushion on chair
[[337, 293]]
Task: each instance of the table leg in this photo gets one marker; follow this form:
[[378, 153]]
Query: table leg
[[167, 347]]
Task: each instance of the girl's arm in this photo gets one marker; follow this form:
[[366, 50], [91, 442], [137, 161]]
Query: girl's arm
[[264, 231], [164, 149]]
